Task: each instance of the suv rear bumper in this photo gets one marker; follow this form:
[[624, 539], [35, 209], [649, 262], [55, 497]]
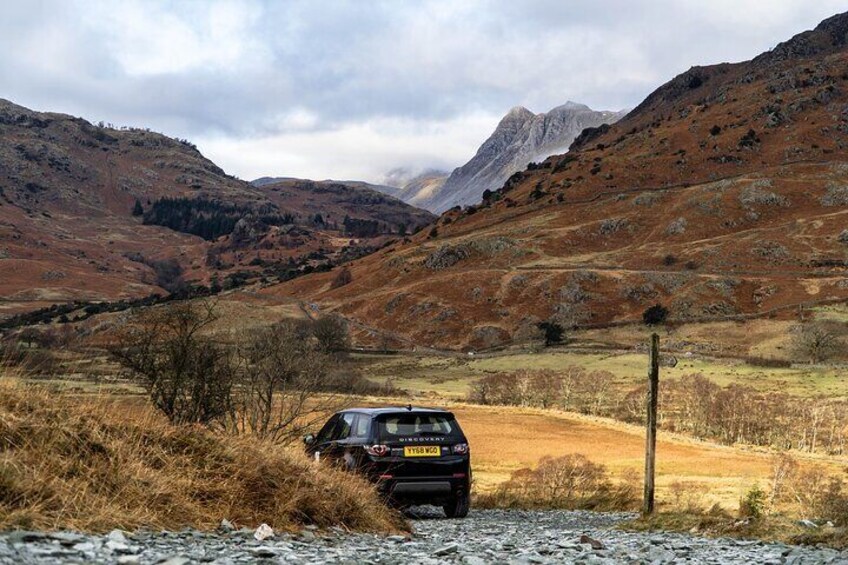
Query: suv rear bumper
[[431, 490]]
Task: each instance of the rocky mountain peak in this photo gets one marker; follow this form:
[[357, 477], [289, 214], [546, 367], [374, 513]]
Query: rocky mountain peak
[[518, 112], [520, 138], [830, 35]]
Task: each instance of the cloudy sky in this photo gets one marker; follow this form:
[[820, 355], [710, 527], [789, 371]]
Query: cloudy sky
[[352, 89]]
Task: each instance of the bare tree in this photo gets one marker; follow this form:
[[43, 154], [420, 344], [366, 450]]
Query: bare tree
[[282, 391], [814, 342], [332, 334], [189, 377]]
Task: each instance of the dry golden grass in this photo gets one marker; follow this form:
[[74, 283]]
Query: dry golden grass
[[504, 439], [95, 464]]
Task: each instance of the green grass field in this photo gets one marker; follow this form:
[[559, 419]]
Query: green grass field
[[452, 376]]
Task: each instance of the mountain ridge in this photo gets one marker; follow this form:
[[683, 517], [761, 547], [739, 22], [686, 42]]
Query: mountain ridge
[[721, 196], [92, 213], [520, 138]]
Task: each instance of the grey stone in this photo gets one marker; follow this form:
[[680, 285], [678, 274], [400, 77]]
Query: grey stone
[[117, 536], [263, 551], [175, 560], [84, 546], [446, 550], [486, 536]]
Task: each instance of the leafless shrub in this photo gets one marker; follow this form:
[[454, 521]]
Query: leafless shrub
[[843, 237], [278, 394], [567, 482], [687, 496], [784, 468], [574, 388]]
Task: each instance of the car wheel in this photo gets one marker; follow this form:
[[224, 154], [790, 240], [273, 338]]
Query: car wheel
[[457, 507]]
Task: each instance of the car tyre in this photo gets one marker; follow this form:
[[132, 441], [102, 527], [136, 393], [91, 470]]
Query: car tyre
[[457, 507]]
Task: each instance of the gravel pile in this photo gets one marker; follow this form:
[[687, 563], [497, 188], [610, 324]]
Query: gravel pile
[[488, 536]]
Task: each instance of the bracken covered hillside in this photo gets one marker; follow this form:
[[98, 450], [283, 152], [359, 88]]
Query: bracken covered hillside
[[90, 212], [723, 194]]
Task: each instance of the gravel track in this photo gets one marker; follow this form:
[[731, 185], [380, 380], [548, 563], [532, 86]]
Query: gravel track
[[486, 536]]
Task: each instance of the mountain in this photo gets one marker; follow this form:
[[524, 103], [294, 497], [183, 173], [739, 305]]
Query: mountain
[[723, 195], [414, 188], [89, 212], [520, 138], [336, 200]]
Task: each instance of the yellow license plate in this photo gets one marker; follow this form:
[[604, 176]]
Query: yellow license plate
[[422, 451]]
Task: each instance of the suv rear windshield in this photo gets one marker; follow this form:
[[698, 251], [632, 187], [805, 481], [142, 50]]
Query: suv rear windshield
[[412, 424]]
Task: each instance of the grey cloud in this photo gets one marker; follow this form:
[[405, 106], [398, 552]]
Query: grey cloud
[[349, 62]]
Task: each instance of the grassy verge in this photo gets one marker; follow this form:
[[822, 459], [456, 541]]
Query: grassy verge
[[93, 465], [718, 523]]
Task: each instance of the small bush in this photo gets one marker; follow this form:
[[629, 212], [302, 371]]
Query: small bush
[[753, 504], [654, 315], [554, 333], [568, 482]]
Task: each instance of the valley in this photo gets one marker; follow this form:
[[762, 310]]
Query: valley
[[169, 332]]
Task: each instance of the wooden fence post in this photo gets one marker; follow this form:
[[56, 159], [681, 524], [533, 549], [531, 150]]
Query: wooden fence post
[[651, 424]]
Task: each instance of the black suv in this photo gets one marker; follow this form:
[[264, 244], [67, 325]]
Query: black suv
[[415, 455]]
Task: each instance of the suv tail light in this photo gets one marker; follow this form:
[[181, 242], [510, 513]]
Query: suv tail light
[[460, 449], [377, 450]]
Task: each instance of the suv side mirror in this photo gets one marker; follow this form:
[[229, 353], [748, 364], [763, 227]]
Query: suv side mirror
[[309, 439]]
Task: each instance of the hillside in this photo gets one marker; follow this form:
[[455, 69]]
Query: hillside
[[722, 195], [520, 138], [335, 200], [98, 213]]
